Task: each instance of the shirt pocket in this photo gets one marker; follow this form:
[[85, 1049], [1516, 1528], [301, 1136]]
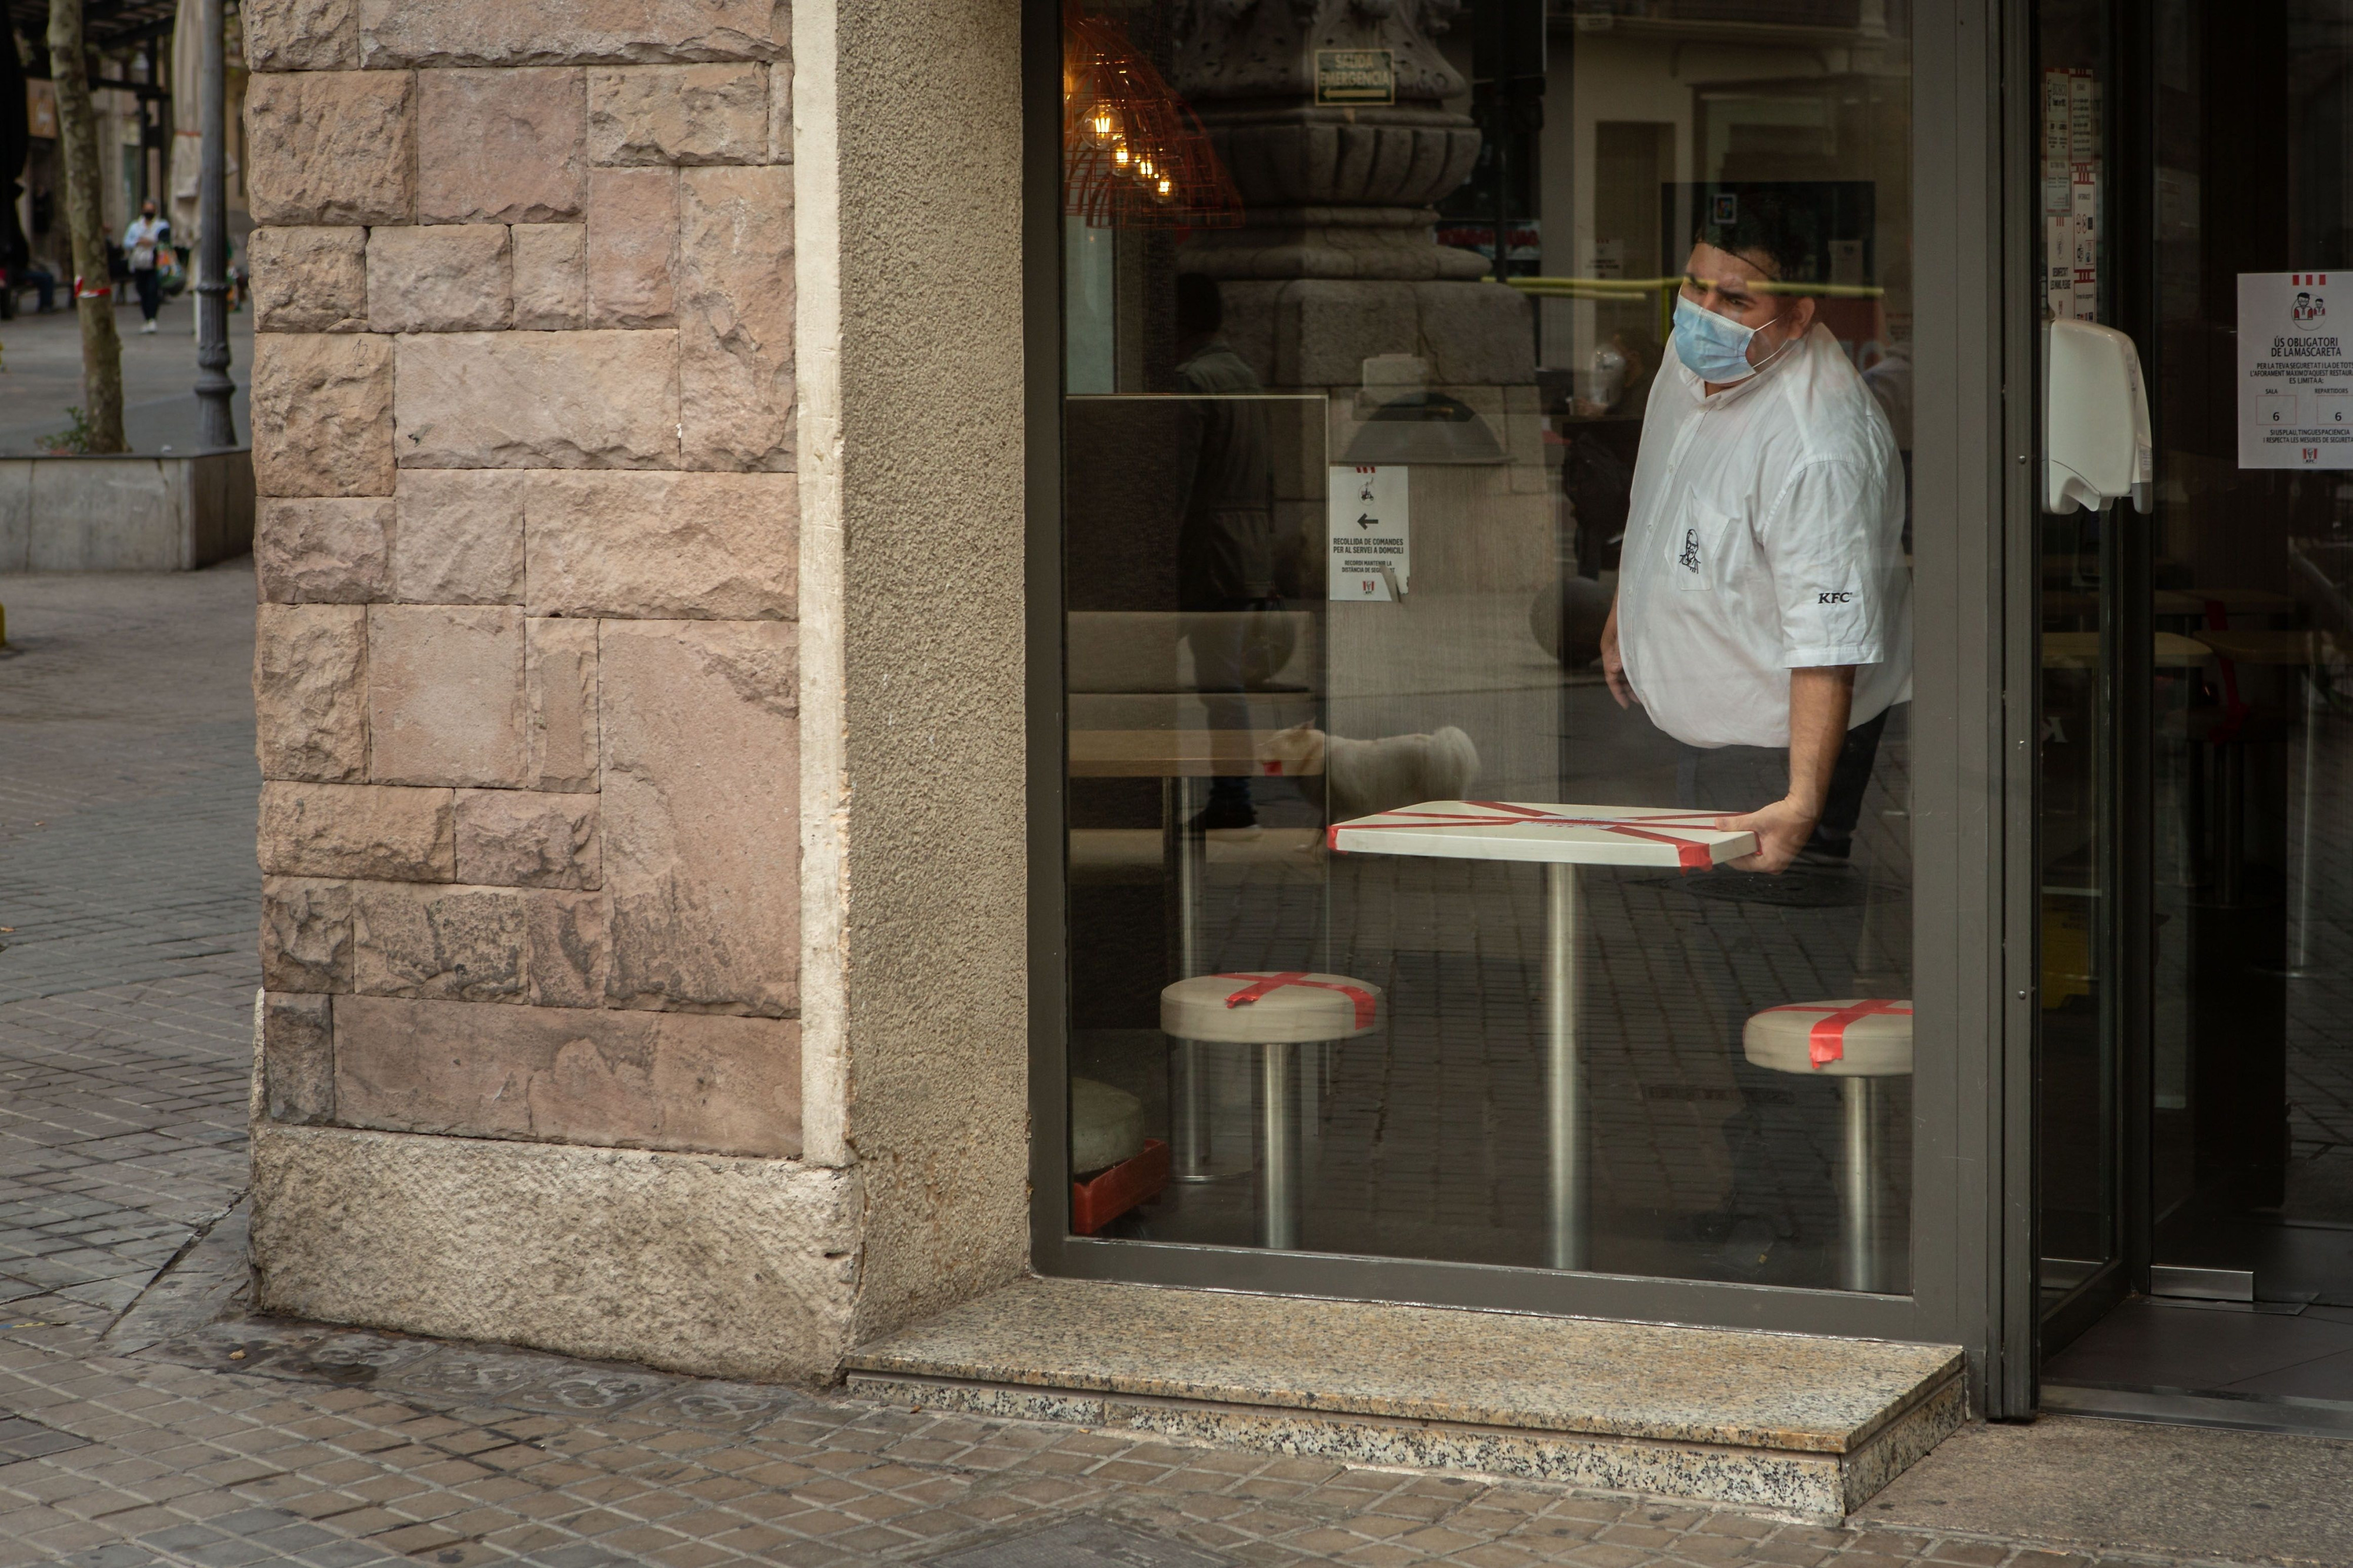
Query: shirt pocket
[[1697, 547]]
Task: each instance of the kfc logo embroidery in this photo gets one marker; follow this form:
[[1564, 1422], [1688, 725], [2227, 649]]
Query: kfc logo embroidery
[[1689, 560], [1835, 599]]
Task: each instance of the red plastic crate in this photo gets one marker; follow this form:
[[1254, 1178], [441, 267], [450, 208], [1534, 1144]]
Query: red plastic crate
[[1114, 1192]]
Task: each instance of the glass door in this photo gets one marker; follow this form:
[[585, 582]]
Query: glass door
[[2208, 1169]]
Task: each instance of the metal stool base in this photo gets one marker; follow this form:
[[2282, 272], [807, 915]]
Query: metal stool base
[[1861, 1210]]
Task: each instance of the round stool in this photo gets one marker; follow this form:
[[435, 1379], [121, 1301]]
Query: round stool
[[1859, 1041], [1277, 1012]]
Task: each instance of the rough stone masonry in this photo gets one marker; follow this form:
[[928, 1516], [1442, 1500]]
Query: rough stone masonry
[[523, 409]]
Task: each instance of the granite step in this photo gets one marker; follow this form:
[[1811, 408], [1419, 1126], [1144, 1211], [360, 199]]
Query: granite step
[[1804, 1426]]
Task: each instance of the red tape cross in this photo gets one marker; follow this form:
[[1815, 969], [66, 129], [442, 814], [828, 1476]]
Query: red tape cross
[[1690, 857], [1826, 1041], [1268, 983]]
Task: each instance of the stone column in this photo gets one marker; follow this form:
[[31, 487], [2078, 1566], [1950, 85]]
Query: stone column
[[1336, 284], [1337, 261]]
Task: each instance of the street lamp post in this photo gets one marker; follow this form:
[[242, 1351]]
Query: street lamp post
[[217, 424]]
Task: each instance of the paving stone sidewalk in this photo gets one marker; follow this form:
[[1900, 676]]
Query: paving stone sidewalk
[[144, 1418], [341, 1449]]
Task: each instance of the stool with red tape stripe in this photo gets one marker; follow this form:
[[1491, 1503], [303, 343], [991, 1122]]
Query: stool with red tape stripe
[[1277, 1011], [1860, 1041]]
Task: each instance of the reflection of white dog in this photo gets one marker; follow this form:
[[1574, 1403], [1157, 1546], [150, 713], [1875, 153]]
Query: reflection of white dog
[[1361, 777]]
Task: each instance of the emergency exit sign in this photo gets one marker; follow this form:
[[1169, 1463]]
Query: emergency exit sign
[[1345, 77]]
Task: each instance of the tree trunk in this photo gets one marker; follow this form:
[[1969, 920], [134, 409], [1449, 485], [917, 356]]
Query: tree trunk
[[101, 347]]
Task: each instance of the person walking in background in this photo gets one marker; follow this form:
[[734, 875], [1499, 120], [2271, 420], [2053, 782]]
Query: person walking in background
[[43, 278], [144, 242]]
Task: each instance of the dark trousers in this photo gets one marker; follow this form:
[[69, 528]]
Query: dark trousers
[[1221, 660], [1849, 776], [151, 290]]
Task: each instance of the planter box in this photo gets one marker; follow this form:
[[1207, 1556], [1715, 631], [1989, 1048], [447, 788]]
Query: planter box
[[130, 513]]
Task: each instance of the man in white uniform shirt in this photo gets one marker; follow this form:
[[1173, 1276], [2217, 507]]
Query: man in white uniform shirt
[[1763, 599], [1763, 619]]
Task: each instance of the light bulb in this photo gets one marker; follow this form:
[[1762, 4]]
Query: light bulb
[[1144, 167], [1167, 188], [1120, 157], [1102, 123]]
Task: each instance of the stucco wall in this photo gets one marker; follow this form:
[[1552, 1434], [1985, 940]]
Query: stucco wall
[[639, 686], [925, 98]]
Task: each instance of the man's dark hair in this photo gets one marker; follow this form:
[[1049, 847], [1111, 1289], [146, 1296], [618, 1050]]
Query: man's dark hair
[[1199, 310], [1771, 233]]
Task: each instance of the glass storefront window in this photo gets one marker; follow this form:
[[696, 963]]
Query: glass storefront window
[[1486, 513]]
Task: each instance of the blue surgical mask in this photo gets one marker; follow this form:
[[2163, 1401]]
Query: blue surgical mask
[[1711, 347]]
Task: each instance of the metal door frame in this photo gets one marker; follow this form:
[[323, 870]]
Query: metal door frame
[[1973, 988], [2012, 258], [2125, 953]]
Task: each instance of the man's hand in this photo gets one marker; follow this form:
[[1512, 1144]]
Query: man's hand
[[1781, 829], [1820, 700], [1613, 667]]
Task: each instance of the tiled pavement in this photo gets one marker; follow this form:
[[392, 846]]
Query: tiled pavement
[[343, 1449], [127, 894], [132, 1434]]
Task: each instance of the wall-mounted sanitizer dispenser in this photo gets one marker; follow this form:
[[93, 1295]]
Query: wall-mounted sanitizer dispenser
[[2096, 444]]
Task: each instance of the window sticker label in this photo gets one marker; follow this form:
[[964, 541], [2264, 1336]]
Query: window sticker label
[[2296, 376], [1372, 550]]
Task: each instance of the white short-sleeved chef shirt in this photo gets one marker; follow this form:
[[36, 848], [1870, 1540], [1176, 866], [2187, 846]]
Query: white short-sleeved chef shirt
[[1764, 534]]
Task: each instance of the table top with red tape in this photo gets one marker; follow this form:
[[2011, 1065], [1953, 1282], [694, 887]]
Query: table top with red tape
[[1572, 834]]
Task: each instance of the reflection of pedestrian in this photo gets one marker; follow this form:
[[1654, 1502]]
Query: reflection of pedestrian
[[1225, 546], [144, 242], [1597, 483]]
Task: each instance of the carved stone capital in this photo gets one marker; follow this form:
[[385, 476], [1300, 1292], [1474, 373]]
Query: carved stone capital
[[1265, 49]]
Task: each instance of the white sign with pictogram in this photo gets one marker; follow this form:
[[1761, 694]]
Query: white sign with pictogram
[[2296, 377], [1372, 550]]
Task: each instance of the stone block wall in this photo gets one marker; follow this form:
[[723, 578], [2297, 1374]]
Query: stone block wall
[[637, 406], [525, 665], [526, 669]]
